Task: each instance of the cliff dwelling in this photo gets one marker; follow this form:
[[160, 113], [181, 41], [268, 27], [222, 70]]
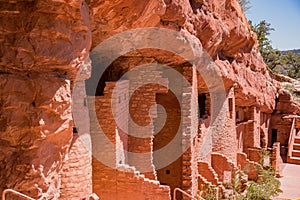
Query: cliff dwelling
[[155, 100]]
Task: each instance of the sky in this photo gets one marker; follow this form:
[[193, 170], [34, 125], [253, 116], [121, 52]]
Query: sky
[[284, 17]]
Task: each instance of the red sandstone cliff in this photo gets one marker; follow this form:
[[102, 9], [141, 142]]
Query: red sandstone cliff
[[44, 42], [221, 27]]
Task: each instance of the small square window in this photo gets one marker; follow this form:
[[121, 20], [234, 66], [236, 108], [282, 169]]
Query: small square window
[[75, 130]]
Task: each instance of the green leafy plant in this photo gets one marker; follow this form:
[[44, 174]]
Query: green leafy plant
[[208, 192], [266, 187], [236, 183]]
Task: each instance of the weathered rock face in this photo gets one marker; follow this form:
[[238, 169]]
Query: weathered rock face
[[286, 104], [221, 27], [36, 127], [43, 36], [43, 44]]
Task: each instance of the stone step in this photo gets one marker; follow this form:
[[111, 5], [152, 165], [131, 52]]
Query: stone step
[[296, 147], [293, 160], [296, 153], [297, 140]]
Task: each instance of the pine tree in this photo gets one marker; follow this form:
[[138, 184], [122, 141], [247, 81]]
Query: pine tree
[[291, 63], [245, 4]]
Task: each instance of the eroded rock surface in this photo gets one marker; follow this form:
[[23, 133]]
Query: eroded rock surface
[[36, 129], [220, 26], [43, 44]]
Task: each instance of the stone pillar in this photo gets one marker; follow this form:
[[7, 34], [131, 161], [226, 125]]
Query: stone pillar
[[275, 159], [252, 129], [189, 132]]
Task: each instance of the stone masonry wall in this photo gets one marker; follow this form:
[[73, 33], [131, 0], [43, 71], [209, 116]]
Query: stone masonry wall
[[226, 142], [252, 128], [76, 174], [202, 134], [190, 132], [145, 82], [265, 119], [170, 174], [115, 180], [251, 168], [240, 134], [223, 166], [104, 130], [275, 158], [133, 185], [207, 172], [283, 128]]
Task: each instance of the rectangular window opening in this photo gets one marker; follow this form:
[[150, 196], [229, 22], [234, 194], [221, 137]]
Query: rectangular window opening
[[230, 104]]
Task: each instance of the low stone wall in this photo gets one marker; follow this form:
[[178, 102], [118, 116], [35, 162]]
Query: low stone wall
[[221, 164], [254, 154], [126, 183], [249, 167], [76, 173], [208, 173]]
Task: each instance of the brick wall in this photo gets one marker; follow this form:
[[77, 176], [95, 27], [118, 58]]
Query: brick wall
[[108, 140], [240, 130], [133, 185], [252, 128], [142, 91], [222, 164], [225, 141], [207, 172], [249, 167], [283, 127], [76, 173], [121, 113], [170, 174], [112, 177], [254, 154], [265, 119], [189, 132], [204, 154]]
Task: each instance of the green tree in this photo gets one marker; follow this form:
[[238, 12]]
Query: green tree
[[263, 30], [291, 63], [245, 4], [288, 64], [271, 56]]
